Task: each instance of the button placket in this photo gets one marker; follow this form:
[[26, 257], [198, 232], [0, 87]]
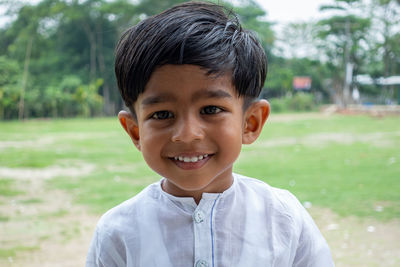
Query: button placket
[[203, 232], [202, 263], [198, 216]]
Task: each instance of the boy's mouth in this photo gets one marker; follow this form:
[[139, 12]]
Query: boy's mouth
[[191, 159], [191, 162]]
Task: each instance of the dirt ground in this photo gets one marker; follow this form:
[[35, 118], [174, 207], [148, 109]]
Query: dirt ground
[[47, 230], [359, 242], [44, 227]]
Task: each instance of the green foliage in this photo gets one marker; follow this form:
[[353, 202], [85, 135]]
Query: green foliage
[[89, 102], [341, 38], [9, 86], [384, 39], [301, 102], [339, 34], [151, 7], [279, 79], [73, 42], [281, 72], [69, 39], [298, 102], [76, 39], [279, 105], [70, 98], [251, 16]]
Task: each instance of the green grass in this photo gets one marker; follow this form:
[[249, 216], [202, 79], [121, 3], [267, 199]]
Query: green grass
[[4, 218], [12, 252], [358, 177], [7, 188], [31, 201], [350, 164], [54, 214]]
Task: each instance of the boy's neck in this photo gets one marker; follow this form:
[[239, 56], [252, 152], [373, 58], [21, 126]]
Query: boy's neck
[[197, 195]]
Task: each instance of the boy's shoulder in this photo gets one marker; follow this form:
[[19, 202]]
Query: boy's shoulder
[[127, 212], [276, 204], [277, 198]]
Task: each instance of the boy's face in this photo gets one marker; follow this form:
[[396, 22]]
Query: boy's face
[[190, 128]]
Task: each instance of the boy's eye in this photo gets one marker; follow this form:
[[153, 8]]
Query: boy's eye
[[162, 115], [210, 110]]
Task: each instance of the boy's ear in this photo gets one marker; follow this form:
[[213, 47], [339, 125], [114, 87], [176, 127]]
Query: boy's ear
[[130, 125], [254, 119]]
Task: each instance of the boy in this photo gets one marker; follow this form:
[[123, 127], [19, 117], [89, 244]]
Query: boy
[[191, 77]]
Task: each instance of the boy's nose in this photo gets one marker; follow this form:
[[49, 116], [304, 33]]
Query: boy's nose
[[187, 129]]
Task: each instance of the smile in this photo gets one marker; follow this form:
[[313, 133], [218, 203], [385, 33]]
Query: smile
[[191, 159], [191, 162]]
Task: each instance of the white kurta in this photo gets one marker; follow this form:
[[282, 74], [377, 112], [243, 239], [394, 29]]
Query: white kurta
[[250, 224]]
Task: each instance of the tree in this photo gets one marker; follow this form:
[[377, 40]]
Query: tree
[[81, 29], [9, 86], [296, 40], [386, 16], [342, 39], [151, 7], [67, 38], [384, 59], [253, 17], [56, 42]]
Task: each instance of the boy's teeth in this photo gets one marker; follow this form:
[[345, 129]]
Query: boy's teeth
[[191, 159]]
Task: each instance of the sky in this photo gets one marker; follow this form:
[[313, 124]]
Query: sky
[[284, 11], [281, 12]]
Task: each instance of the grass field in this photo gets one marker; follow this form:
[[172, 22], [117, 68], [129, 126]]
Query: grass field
[[349, 165]]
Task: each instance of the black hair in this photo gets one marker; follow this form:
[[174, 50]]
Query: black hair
[[203, 34]]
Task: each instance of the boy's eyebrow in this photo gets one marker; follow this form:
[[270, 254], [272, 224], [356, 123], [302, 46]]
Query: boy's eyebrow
[[202, 94], [152, 100], [207, 93]]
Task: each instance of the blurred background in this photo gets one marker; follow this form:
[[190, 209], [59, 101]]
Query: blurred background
[[333, 136], [56, 57]]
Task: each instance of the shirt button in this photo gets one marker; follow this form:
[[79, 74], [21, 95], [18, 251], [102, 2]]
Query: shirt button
[[201, 263], [198, 217]]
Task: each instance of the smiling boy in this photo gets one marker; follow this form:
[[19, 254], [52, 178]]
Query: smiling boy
[[191, 77]]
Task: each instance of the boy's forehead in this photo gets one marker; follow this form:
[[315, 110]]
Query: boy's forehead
[[184, 78], [191, 69]]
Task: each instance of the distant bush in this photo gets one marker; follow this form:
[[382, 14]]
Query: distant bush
[[301, 102], [296, 102], [70, 98], [279, 105]]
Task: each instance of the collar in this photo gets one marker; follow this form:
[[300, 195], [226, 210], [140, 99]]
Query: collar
[[189, 205]]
